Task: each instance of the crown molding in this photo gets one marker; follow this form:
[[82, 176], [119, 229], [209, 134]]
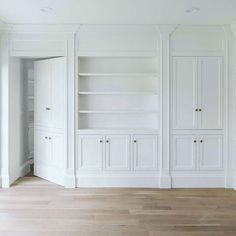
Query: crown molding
[[2, 26], [166, 30], [233, 28], [14, 28]]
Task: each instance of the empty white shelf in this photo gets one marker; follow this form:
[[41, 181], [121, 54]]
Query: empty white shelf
[[118, 93], [119, 74], [116, 111]]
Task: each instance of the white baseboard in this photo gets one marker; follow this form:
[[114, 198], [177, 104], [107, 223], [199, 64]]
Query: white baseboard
[[5, 181], [70, 181], [24, 169], [198, 181], [165, 181], [140, 181]]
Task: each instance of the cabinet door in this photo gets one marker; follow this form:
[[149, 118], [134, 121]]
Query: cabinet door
[[117, 155], [184, 99], [90, 151], [210, 92], [184, 152], [145, 152], [211, 152], [50, 90]]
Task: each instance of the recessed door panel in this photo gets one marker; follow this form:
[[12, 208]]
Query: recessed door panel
[[184, 99], [211, 152], [117, 152], [210, 89], [145, 152], [184, 152], [42, 91], [90, 150]]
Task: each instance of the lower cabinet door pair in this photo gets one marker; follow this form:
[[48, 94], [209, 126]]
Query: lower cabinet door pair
[[197, 152], [117, 152]]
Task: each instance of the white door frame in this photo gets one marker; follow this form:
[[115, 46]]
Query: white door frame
[[7, 51]]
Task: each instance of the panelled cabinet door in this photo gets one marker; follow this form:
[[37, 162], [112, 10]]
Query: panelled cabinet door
[[117, 155], [210, 92], [90, 151], [145, 152], [184, 99], [211, 152], [50, 84], [184, 152]]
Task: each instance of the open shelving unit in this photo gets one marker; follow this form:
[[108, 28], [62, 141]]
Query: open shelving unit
[[118, 93]]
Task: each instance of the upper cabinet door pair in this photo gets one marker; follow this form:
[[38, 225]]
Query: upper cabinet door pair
[[197, 93]]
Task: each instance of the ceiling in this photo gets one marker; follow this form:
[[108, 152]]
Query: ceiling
[[117, 11]]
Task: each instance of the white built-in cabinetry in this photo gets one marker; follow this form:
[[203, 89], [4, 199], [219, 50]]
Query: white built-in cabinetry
[[50, 110], [197, 119], [118, 120]]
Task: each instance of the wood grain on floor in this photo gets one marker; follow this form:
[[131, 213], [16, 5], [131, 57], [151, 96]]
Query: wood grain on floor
[[35, 207]]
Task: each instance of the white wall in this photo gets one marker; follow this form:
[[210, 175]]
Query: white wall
[[18, 164]]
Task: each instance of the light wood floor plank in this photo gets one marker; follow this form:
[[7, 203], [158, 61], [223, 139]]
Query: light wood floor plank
[[35, 207]]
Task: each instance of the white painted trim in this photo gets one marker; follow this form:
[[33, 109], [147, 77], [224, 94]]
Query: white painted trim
[[33, 28], [129, 181], [198, 181], [165, 33], [4, 52], [83, 53]]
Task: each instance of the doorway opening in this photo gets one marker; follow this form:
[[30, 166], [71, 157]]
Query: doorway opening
[[37, 116]]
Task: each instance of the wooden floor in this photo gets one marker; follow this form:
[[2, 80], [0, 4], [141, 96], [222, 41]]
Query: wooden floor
[[34, 207]]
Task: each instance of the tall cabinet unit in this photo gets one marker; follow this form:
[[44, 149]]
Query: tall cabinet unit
[[118, 121], [50, 119], [197, 148]]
